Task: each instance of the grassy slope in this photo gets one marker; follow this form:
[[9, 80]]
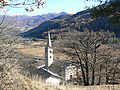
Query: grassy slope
[[25, 83], [16, 81], [37, 49]]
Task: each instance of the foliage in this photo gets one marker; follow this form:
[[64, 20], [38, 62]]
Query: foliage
[[14, 3], [110, 9], [78, 21]]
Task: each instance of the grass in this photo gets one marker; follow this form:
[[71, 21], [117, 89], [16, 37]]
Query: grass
[[37, 49], [16, 81], [101, 87]]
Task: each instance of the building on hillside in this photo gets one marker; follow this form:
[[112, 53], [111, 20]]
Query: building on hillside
[[41, 66], [70, 73], [55, 71]]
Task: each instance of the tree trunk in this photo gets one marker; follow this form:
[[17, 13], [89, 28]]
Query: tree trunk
[[106, 75], [83, 75], [82, 68], [107, 79], [99, 79], [94, 62], [93, 76], [87, 74], [87, 68]]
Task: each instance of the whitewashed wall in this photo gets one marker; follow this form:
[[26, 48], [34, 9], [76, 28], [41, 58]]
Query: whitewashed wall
[[70, 70], [53, 80]]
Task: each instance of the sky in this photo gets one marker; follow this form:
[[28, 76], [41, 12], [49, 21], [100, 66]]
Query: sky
[[54, 6]]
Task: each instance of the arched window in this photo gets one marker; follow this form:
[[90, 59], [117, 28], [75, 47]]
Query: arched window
[[70, 77], [50, 51]]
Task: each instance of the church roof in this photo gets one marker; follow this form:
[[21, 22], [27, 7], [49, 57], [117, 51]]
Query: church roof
[[39, 62], [42, 73]]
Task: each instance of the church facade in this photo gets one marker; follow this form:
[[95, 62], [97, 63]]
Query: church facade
[[51, 71], [54, 78], [68, 73]]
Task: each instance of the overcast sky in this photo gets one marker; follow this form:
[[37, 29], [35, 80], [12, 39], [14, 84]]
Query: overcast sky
[[56, 6]]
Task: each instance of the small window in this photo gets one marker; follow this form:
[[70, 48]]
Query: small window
[[70, 77], [50, 51], [50, 57]]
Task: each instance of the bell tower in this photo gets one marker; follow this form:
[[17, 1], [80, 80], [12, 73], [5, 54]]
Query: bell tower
[[48, 53]]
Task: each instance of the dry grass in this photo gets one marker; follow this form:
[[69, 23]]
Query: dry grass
[[101, 87], [16, 81], [36, 49]]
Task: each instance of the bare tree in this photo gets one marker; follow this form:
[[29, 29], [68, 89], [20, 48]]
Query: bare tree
[[9, 57], [83, 48], [29, 5]]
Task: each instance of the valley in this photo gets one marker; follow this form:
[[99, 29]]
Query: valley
[[79, 50], [23, 23]]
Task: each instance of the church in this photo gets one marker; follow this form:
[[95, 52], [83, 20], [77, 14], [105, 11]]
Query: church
[[54, 71]]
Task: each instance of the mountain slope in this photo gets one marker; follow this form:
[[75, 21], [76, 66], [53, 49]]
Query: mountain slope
[[22, 23], [45, 26], [78, 21]]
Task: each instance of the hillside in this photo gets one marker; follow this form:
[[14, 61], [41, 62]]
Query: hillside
[[78, 21], [22, 23], [45, 26], [16, 81]]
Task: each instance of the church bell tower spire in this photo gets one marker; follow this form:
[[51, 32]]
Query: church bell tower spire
[[48, 53], [49, 40]]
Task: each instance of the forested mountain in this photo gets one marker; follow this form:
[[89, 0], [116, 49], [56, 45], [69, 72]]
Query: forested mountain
[[78, 21], [45, 26]]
